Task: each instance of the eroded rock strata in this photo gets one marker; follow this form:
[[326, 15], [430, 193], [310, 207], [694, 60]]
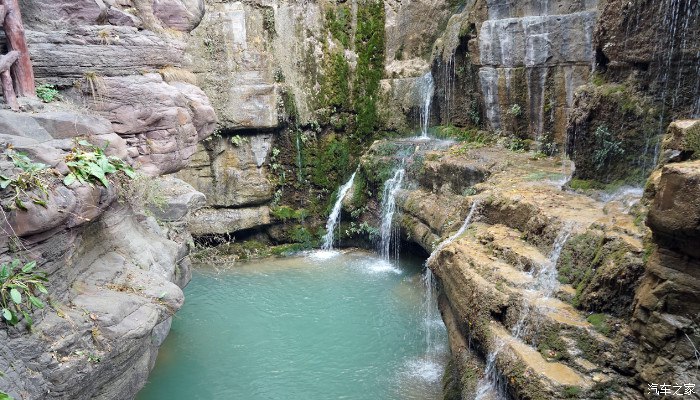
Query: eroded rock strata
[[263, 109]]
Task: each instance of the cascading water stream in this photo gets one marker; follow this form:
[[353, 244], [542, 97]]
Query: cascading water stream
[[430, 309], [546, 283], [432, 320], [460, 231], [387, 233], [426, 86], [334, 218]]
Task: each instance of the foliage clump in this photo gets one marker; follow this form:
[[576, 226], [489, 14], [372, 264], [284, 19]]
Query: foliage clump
[[29, 184], [607, 147], [88, 164], [19, 287], [47, 93], [369, 42]]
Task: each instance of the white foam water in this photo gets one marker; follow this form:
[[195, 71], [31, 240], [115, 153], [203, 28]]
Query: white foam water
[[334, 217], [387, 232]]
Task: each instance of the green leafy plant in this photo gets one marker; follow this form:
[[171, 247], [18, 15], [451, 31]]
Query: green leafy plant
[[285, 213], [19, 285], [47, 93], [517, 144], [238, 140], [515, 110], [88, 164], [31, 176], [607, 147], [91, 357], [5, 396]]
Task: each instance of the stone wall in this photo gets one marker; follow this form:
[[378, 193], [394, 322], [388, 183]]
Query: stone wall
[[116, 256], [667, 303]]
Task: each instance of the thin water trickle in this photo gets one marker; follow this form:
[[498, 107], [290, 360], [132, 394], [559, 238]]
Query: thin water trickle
[[460, 231], [387, 232], [334, 218], [426, 86], [435, 334], [546, 280], [544, 285]]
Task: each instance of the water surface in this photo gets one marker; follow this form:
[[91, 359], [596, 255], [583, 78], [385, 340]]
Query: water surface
[[339, 326]]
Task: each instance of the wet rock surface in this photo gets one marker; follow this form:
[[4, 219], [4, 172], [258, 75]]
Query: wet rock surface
[[115, 274], [486, 275]]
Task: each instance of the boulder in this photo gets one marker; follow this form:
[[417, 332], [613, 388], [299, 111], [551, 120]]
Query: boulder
[[181, 15], [682, 141], [674, 213], [177, 199], [161, 123], [221, 221]]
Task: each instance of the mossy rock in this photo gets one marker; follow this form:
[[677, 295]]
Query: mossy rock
[[613, 131]]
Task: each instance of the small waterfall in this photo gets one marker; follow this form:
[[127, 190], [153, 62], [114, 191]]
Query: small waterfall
[[546, 280], [391, 188], [462, 229], [334, 218], [488, 79], [432, 321], [547, 283], [431, 313], [426, 86], [449, 71]]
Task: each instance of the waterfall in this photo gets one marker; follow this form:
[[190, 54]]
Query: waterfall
[[391, 188], [433, 327], [334, 218], [431, 314], [449, 70], [547, 283], [426, 86], [460, 231], [546, 280], [430, 308]]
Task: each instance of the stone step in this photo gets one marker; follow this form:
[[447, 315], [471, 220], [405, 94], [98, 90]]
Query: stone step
[[475, 278], [507, 244], [527, 368], [488, 264]]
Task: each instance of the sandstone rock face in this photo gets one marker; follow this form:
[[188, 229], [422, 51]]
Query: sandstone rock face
[[115, 275], [96, 313], [181, 15], [525, 59], [232, 175], [161, 122], [211, 221], [612, 133], [156, 15], [650, 43], [234, 67], [411, 28], [83, 53], [675, 209], [115, 278], [548, 47]]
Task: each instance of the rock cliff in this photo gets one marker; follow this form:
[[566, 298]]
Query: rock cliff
[[115, 253]]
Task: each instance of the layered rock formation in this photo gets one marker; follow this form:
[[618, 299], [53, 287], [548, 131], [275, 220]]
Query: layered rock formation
[[576, 342], [115, 274], [666, 308]]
